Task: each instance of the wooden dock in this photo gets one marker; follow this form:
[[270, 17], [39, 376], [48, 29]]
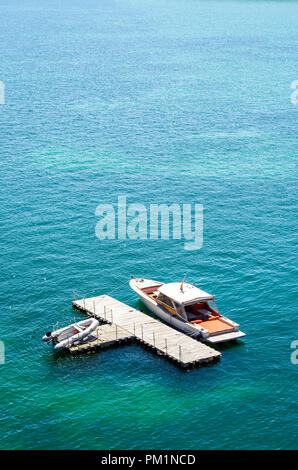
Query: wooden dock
[[126, 323]]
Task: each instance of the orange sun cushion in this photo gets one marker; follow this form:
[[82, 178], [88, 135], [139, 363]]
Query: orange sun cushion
[[216, 326]]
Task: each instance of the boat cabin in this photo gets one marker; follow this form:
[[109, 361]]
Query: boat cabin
[[184, 300]]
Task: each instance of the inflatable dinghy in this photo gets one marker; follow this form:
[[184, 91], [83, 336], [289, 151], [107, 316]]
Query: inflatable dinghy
[[72, 334]]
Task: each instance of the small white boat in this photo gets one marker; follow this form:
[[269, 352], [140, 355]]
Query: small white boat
[[187, 308], [72, 334]]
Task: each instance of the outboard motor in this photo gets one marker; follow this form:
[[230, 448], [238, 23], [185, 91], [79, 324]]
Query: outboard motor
[[47, 338]]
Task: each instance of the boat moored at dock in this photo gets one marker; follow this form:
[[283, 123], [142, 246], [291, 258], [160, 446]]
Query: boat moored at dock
[[71, 334], [187, 308]]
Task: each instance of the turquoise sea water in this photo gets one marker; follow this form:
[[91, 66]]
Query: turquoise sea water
[[162, 101]]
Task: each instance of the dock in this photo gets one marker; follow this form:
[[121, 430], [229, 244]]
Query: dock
[[123, 323], [103, 337]]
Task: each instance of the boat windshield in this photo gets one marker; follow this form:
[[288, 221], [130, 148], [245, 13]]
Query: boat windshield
[[179, 310], [165, 300]]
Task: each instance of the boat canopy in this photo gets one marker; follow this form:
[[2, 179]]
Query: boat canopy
[[188, 295]]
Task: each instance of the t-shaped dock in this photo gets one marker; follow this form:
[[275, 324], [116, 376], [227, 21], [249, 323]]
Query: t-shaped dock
[[127, 323]]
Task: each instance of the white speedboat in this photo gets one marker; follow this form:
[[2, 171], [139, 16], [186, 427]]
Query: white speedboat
[[71, 334], [187, 308]]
